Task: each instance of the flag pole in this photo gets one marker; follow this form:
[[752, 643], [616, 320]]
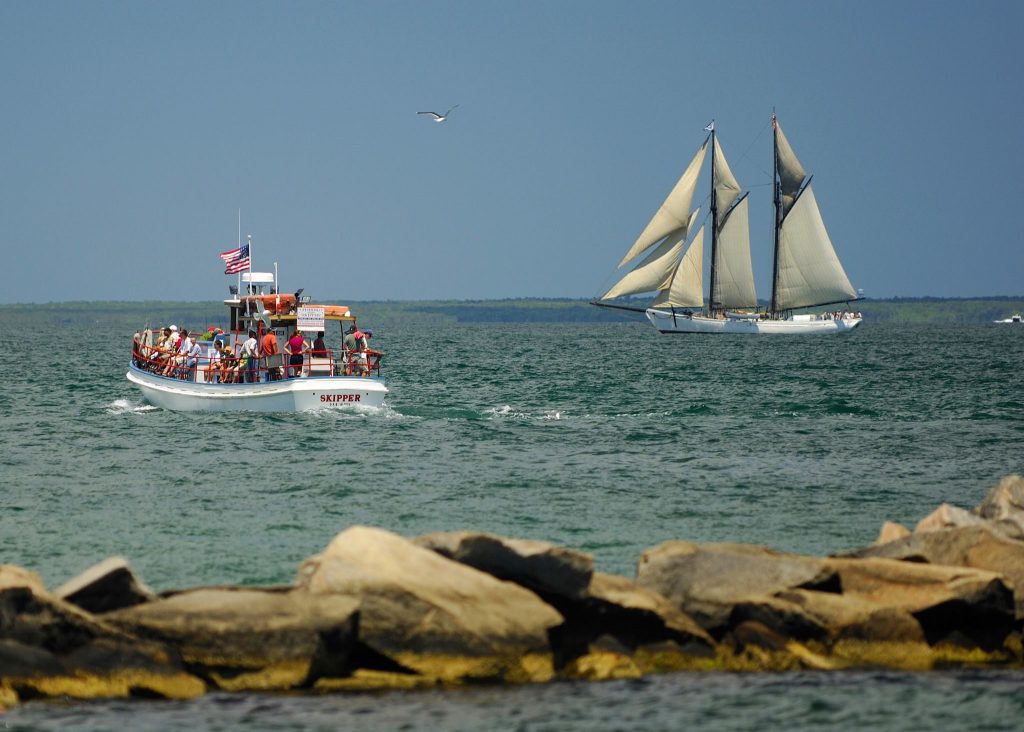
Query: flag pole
[[239, 246], [249, 236]]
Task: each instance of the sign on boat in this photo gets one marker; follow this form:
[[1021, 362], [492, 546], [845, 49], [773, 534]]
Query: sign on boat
[[223, 371]]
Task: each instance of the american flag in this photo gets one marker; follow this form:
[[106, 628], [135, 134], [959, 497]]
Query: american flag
[[236, 259]]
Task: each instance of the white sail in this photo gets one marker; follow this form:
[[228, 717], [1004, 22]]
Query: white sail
[[686, 289], [674, 212], [733, 270], [809, 270], [791, 172], [727, 188], [654, 272]]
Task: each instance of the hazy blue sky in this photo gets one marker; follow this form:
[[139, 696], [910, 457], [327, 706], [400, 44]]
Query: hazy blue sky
[[132, 132]]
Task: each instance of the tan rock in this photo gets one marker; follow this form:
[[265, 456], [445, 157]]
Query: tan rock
[[976, 546], [968, 605], [891, 532], [429, 614], [946, 517], [1004, 507]]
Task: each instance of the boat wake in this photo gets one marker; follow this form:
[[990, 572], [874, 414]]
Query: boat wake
[[507, 412], [126, 406]]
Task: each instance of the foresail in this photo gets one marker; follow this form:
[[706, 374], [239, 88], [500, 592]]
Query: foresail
[[674, 212], [727, 188], [654, 272], [686, 288], [809, 270], [733, 269], [791, 172]]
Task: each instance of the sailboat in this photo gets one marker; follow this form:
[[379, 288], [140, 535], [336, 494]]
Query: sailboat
[[806, 271]]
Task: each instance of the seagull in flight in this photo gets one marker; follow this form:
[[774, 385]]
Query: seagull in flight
[[439, 117]]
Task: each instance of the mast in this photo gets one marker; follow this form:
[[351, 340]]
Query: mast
[[777, 185], [713, 287]]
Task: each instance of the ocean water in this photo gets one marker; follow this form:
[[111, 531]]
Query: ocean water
[[607, 438]]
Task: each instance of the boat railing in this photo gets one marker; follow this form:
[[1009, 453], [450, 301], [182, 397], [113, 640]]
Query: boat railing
[[234, 368]]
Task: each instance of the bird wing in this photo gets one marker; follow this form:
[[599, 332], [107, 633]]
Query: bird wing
[[435, 115], [450, 110]]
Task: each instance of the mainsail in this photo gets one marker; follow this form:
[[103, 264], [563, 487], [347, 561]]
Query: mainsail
[[674, 213], [807, 270]]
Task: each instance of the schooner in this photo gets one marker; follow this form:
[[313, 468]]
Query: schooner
[[806, 271]]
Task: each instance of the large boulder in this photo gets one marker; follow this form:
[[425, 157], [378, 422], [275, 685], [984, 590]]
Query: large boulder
[[947, 516], [431, 615], [951, 604], [49, 647], [707, 581], [109, 585], [974, 546], [247, 639]]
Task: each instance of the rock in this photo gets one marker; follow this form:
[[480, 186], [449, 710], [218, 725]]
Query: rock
[[890, 532], [951, 604], [109, 585], [432, 615], [707, 581], [536, 565], [974, 546], [1004, 507], [945, 517], [247, 639], [849, 616], [49, 647]]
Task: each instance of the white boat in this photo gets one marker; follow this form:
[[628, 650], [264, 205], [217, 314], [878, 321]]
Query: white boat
[[326, 379], [1012, 319], [806, 271]]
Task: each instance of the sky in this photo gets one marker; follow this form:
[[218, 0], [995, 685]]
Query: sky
[[133, 133]]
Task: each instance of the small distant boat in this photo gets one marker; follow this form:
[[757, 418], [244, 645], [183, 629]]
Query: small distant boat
[[806, 273], [212, 382], [1012, 319]]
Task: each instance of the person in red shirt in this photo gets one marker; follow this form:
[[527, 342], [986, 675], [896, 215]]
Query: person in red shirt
[[268, 347]]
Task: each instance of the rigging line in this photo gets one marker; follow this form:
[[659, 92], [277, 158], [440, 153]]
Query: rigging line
[[751, 146]]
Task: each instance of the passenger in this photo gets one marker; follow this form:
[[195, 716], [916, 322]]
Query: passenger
[[268, 347], [213, 362], [228, 366], [373, 356], [177, 361], [192, 360], [357, 351], [250, 353], [320, 347], [348, 348], [296, 347], [158, 354]]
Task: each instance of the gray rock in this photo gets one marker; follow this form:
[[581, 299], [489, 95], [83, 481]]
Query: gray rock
[[947, 516], [249, 638], [109, 585], [707, 581]]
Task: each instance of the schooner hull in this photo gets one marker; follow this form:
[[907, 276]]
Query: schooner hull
[[287, 395], [667, 322]]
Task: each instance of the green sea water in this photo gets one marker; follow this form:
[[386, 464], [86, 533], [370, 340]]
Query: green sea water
[[607, 438]]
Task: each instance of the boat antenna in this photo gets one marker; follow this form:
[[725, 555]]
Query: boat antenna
[[249, 237]]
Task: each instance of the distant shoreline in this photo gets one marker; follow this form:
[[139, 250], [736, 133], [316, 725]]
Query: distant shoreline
[[135, 314]]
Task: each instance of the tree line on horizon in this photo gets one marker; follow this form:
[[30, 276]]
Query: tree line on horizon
[[134, 315]]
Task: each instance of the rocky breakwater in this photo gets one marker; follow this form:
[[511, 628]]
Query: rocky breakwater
[[376, 610]]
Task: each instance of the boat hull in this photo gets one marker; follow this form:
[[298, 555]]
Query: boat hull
[[667, 322], [287, 395]]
